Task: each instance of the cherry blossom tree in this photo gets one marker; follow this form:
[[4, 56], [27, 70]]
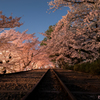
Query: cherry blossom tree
[[17, 49], [41, 60], [9, 22], [76, 37]]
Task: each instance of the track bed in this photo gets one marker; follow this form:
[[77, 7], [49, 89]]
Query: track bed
[[82, 85], [15, 86]]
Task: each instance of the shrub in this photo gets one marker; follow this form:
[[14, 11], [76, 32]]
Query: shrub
[[92, 68], [76, 67]]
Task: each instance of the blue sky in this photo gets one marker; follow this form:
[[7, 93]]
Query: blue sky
[[33, 13]]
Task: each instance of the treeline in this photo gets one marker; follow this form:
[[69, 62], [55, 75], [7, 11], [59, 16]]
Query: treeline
[[73, 40]]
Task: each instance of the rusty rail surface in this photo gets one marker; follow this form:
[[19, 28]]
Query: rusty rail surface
[[34, 93], [70, 96]]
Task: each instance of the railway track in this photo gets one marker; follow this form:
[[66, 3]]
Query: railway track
[[46, 84], [50, 87]]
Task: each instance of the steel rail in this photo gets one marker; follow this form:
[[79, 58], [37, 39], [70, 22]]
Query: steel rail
[[29, 95], [66, 90]]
